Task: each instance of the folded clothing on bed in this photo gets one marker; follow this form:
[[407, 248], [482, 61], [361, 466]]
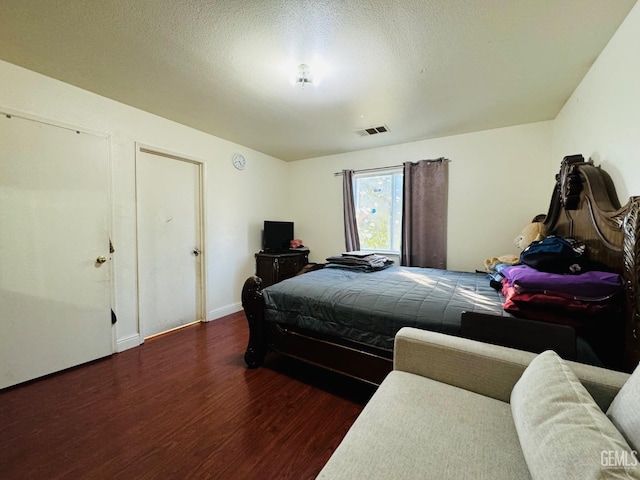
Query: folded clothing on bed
[[552, 308], [359, 261], [594, 286], [567, 299]]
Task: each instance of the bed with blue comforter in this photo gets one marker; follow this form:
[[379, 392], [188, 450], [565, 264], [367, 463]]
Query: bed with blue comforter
[[370, 307]]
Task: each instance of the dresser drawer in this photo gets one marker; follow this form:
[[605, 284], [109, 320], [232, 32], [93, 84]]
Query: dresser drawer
[[273, 268]]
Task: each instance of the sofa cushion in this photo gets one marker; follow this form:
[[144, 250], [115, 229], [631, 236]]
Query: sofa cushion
[[418, 428], [624, 411], [563, 432]]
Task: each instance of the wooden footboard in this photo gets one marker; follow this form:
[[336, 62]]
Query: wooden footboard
[[253, 305], [529, 335], [364, 362]]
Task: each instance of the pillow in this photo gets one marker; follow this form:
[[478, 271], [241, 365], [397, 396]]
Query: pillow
[[624, 411], [562, 431]]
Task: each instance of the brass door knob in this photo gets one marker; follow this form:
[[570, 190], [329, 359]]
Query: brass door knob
[[101, 259]]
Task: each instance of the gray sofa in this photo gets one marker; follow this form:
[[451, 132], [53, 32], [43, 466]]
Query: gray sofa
[[460, 409]]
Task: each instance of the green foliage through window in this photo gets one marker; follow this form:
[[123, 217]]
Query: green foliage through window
[[378, 202]]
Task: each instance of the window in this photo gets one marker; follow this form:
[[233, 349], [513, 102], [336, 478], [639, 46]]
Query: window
[[378, 205]]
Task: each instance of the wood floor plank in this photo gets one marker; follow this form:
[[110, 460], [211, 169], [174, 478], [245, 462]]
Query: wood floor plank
[[182, 405]]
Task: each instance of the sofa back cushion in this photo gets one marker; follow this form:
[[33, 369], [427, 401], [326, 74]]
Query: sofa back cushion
[[562, 431], [624, 411]]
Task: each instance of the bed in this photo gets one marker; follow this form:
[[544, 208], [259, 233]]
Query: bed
[[345, 321]]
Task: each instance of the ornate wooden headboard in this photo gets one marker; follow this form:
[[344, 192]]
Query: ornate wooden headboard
[[585, 206]]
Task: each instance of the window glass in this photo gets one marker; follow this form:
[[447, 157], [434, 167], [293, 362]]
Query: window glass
[[378, 202]]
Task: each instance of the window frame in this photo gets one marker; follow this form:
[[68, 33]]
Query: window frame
[[397, 176]]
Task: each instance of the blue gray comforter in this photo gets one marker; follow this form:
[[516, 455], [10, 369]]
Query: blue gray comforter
[[371, 307]]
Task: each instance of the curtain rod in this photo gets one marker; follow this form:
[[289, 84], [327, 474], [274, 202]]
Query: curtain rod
[[377, 169]]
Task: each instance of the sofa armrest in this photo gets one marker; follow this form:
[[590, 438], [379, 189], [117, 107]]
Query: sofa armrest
[[489, 370]]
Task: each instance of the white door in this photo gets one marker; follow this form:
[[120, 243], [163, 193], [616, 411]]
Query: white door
[[168, 190], [54, 296]]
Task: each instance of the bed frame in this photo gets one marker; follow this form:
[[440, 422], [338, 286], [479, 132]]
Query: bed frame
[[583, 206]]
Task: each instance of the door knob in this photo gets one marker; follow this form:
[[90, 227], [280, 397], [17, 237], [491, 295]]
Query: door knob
[[196, 252], [101, 259]]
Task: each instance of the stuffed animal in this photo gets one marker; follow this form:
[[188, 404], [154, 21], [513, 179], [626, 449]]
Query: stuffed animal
[[491, 263], [533, 232]]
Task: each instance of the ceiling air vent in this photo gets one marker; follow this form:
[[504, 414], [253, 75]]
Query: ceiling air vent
[[372, 131]]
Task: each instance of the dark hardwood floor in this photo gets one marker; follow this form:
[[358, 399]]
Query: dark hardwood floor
[[181, 406]]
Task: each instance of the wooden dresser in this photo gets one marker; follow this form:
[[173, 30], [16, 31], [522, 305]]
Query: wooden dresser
[[275, 267]]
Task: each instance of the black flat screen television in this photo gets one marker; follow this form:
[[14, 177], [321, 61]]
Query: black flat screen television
[[276, 236]]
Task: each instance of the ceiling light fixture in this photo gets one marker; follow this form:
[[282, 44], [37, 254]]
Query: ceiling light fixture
[[303, 76]]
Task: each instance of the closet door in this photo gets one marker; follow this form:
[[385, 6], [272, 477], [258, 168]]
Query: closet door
[[54, 249], [169, 206]]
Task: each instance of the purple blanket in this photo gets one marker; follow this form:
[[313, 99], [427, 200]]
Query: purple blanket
[[588, 286]]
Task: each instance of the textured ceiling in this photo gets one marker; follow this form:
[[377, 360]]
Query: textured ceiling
[[425, 68]]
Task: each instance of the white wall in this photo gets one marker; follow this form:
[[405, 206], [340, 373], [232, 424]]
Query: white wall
[[237, 201], [601, 120], [498, 181]]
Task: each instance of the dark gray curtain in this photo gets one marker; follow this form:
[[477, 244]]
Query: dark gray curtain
[[352, 241], [424, 214]]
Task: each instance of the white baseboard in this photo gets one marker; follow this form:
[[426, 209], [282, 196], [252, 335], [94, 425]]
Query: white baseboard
[[128, 342], [223, 311]]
